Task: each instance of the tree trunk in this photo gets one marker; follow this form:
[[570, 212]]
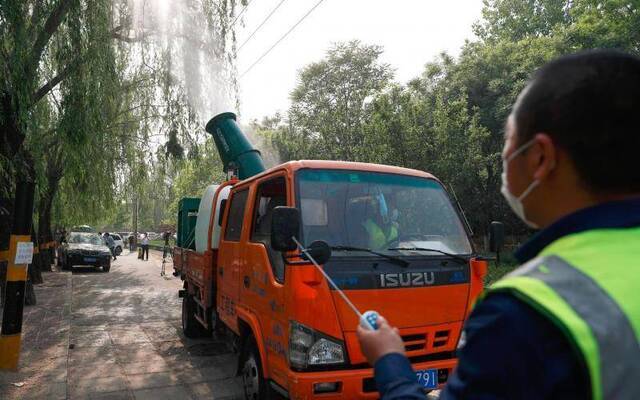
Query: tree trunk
[[38, 263], [45, 234], [6, 214]]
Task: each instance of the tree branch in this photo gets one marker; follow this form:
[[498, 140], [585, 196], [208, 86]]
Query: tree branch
[[50, 27], [47, 87]]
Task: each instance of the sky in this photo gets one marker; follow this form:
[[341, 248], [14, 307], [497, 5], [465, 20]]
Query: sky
[[412, 33]]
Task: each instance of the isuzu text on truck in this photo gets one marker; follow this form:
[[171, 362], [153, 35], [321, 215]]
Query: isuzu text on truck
[[389, 237]]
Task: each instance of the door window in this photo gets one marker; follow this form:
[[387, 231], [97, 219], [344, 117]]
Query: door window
[[271, 194], [236, 214]]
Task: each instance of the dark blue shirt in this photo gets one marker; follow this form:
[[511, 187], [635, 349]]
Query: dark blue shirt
[[512, 351]]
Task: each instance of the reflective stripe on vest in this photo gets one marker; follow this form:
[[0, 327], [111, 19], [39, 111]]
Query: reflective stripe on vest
[[614, 365], [377, 237]]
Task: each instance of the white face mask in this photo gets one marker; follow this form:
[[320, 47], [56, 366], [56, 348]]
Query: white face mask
[[515, 202]]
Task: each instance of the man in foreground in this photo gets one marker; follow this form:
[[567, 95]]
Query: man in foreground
[[566, 324]]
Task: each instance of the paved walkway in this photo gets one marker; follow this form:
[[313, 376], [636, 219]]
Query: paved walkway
[[116, 335]]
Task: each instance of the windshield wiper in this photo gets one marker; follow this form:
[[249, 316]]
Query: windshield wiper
[[454, 256], [396, 260]]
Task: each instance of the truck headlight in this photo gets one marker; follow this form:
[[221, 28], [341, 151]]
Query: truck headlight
[[308, 347]]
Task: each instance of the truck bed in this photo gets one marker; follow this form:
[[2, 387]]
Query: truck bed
[[198, 270]]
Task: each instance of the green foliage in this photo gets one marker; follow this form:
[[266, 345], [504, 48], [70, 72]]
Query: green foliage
[[87, 97], [329, 104], [448, 121], [193, 176]]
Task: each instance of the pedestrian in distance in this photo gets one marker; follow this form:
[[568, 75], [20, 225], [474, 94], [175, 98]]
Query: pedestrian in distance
[[62, 238], [111, 244], [145, 246], [131, 243], [166, 249], [565, 324]]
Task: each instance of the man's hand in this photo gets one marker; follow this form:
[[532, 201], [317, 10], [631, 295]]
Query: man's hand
[[377, 344]]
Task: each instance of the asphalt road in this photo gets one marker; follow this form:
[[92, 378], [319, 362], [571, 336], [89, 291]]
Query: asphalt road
[[116, 335], [126, 338]]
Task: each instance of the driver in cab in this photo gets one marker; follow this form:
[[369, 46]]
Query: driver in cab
[[379, 223]]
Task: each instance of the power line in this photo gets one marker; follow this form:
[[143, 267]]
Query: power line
[[240, 14], [282, 38], [262, 23]]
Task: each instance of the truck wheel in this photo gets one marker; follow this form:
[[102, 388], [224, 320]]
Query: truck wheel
[[253, 382], [118, 250], [191, 327]]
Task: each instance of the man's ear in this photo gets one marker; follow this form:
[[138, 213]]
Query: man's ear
[[542, 157]]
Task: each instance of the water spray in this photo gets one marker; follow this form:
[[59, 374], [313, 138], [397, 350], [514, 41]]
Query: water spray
[[368, 319]]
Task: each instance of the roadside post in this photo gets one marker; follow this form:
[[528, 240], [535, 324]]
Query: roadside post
[[19, 257]]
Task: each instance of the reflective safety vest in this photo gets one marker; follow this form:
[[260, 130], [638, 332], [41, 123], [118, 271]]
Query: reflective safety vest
[[588, 285], [377, 237]]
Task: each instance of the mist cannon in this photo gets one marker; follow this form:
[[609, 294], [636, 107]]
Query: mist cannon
[[235, 149]]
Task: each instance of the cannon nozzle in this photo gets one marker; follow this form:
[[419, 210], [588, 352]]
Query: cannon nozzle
[[235, 149]]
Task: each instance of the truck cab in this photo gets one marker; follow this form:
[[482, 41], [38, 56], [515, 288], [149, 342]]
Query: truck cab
[[398, 246], [389, 238]]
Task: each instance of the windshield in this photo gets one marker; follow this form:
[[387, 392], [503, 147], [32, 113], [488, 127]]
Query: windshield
[[378, 211], [87, 238]]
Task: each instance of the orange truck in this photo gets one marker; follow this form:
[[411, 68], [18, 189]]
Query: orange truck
[[389, 237]]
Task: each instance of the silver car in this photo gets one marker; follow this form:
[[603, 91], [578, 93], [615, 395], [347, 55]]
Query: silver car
[[84, 248]]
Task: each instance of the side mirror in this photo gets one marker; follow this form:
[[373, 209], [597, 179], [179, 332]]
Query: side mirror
[[496, 236], [285, 224], [319, 250]]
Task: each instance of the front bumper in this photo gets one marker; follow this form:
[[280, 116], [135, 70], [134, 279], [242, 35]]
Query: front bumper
[[353, 384], [83, 259]]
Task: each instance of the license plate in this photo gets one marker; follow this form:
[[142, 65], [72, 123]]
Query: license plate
[[90, 259], [428, 378]]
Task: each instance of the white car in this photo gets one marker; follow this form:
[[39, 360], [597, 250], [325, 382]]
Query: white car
[[119, 243]]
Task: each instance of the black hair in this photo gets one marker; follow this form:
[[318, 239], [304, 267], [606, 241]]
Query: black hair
[[589, 104]]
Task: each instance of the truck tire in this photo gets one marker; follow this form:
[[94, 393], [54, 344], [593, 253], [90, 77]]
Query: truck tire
[[253, 383], [191, 327], [118, 250]]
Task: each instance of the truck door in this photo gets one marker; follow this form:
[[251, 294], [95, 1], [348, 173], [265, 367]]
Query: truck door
[[264, 274], [230, 260]]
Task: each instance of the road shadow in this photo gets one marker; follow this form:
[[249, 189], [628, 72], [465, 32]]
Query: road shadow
[[85, 269]]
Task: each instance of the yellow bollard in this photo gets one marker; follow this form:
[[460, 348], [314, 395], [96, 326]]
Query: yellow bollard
[[20, 246], [19, 257]]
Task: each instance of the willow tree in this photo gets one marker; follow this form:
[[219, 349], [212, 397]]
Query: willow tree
[[83, 90]]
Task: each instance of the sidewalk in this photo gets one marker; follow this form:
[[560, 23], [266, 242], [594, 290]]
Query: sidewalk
[[46, 327], [116, 335]]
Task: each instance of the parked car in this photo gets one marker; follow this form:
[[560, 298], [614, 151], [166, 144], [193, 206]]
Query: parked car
[[119, 242], [85, 248]]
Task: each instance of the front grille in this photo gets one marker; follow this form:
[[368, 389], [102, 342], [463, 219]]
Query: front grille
[[414, 342], [441, 338]]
